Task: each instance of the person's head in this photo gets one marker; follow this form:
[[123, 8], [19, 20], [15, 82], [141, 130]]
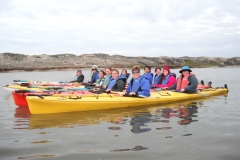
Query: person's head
[[185, 70], [115, 73], [158, 70], [147, 69], [79, 72], [166, 70], [101, 74], [94, 68], [135, 71], [108, 70], [124, 72]]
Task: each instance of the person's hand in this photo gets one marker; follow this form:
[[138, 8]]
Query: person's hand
[[153, 86], [182, 90], [108, 90], [126, 86], [124, 91], [165, 88], [132, 93], [96, 89]]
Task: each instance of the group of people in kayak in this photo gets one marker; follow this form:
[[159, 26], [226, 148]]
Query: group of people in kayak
[[140, 85]]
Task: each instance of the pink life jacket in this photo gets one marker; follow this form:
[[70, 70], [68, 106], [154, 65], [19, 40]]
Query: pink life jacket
[[182, 82]]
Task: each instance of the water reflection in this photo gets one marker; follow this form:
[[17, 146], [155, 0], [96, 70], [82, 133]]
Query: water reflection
[[24, 120], [37, 156], [187, 113], [183, 111], [164, 128], [139, 121], [138, 118], [22, 115], [136, 148]]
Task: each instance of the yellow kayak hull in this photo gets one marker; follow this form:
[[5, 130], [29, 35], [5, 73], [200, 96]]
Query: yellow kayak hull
[[56, 104]]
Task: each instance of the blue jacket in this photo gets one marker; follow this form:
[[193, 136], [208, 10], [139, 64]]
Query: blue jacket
[[165, 81], [127, 75], [117, 84], [157, 78], [140, 86], [94, 77], [149, 77]]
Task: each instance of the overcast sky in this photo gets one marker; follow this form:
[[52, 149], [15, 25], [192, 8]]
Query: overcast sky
[[151, 28]]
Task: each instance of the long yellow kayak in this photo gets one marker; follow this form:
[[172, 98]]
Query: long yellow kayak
[[56, 104]]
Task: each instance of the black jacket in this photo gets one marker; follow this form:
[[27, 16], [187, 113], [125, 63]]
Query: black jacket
[[80, 79]]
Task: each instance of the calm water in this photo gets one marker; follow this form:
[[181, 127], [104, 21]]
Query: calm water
[[207, 129]]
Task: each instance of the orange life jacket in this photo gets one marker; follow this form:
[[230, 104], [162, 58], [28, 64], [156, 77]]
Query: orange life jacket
[[182, 82]]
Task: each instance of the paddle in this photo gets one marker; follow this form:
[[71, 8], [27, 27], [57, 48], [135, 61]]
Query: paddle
[[39, 94], [137, 96], [23, 91], [158, 89]]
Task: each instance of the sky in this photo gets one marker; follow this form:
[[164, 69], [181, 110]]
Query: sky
[[150, 28]]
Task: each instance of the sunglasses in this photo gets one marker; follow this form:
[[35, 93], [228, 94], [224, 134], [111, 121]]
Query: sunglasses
[[135, 72]]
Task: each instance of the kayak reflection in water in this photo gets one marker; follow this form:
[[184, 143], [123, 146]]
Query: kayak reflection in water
[[184, 112], [138, 121]]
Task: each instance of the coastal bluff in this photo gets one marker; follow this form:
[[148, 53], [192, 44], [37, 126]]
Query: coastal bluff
[[14, 61]]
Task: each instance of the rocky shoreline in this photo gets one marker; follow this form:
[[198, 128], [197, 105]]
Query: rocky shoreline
[[14, 61]]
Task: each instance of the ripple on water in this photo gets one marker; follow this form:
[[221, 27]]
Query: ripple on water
[[41, 142], [157, 120], [186, 121], [37, 156], [136, 148], [43, 132], [164, 128], [187, 135], [114, 128]]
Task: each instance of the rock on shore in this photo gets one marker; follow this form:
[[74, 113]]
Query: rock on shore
[[13, 61]]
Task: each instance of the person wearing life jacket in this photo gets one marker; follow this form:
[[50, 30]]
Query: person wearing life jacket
[[94, 74], [100, 80], [186, 82], [107, 77], [138, 85], [117, 83], [79, 77], [148, 74], [167, 80], [124, 72], [157, 76]]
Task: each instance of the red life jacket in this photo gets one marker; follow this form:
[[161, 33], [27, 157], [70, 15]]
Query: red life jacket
[[182, 82]]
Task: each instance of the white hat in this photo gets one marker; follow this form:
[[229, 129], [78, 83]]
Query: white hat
[[94, 67]]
